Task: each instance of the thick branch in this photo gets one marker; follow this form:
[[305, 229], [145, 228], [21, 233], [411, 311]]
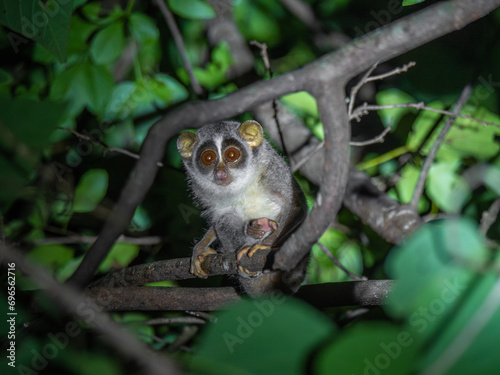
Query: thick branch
[[350, 293], [178, 269], [331, 105], [380, 45]]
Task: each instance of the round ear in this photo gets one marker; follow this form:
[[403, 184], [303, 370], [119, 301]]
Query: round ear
[[252, 133], [186, 143]]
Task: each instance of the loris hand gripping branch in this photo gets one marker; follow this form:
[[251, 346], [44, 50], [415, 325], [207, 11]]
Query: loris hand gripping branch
[[249, 196]]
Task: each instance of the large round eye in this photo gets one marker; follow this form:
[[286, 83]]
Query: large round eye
[[208, 157], [232, 154]]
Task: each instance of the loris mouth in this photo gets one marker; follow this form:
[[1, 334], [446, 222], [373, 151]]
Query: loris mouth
[[223, 178]]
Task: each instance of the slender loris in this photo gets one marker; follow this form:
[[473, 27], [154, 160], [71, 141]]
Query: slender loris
[[249, 197]]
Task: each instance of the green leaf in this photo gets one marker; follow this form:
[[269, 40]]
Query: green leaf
[[492, 178], [52, 256], [303, 102], [393, 115], [141, 219], [44, 22], [143, 28], [468, 138], [433, 268], [424, 123], [144, 97], [13, 181], [406, 184], [192, 9], [120, 256], [90, 190], [31, 127], [79, 35], [448, 190], [256, 23], [369, 348], [412, 2], [214, 73], [447, 292], [84, 85], [5, 78], [108, 44], [261, 337]]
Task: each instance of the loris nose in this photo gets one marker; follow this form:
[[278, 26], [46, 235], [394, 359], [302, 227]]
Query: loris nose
[[221, 174]]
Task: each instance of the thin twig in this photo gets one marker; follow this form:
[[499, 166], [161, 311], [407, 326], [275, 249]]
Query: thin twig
[[296, 166], [337, 262], [175, 320], [169, 18], [366, 78], [365, 108], [393, 72], [141, 241], [355, 89], [265, 57], [202, 315], [378, 139], [107, 148], [489, 216], [464, 96]]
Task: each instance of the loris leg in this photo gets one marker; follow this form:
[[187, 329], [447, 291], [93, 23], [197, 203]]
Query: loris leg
[[200, 251], [258, 228]]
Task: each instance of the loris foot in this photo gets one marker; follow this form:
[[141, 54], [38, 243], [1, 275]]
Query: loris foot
[[199, 255], [259, 227], [250, 251]]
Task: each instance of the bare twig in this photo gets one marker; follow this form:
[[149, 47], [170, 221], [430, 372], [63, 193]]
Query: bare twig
[[368, 78], [489, 216], [107, 148], [169, 18], [464, 96], [338, 264], [141, 241], [365, 109], [175, 320], [73, 302], [297, 165], [263, 53], [358, 86], [378, 139], [393, 72]]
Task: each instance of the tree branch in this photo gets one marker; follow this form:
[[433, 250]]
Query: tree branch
[[133, 298], [380, 45]]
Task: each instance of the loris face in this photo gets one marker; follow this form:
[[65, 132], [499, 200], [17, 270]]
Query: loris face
[[219, 156]]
